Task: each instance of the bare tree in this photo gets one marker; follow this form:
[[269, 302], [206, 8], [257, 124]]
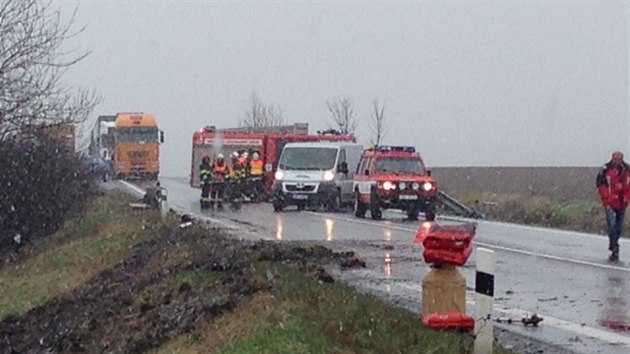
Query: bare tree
[[342, 114], [377, 122], [32, 63], [259, 115]]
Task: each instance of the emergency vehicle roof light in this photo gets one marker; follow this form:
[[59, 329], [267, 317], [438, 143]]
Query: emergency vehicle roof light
[[386, 148]]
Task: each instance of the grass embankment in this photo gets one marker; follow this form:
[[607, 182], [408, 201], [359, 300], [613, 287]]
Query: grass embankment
[[88, 244], [576, 215], [122, 280]]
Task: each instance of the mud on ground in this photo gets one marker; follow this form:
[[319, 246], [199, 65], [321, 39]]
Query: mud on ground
[[164, 289]]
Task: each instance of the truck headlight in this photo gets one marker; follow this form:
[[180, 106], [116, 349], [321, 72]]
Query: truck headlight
[[329, 176], [388, 186], [415, 186], [279, 175], [402, 185], [427, 186]]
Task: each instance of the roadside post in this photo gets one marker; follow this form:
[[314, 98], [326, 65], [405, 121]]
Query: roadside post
[[444, 288], [163, 202], [484, 299]]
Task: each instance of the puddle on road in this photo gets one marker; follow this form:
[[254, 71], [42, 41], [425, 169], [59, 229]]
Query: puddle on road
[[615, 313]]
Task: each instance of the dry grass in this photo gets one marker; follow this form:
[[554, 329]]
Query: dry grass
[[568, 214]]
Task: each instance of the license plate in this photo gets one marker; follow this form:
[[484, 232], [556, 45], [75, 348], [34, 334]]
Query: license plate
[[300, 196], [408, 197]]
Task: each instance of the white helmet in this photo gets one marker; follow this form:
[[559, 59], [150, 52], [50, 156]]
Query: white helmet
[[255, 155], [245, 154], [220, 157], [235, 154]]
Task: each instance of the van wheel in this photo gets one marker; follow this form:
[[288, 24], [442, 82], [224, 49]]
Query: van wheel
[[429, 215], [376, 213], [301, 207], [277, 207]]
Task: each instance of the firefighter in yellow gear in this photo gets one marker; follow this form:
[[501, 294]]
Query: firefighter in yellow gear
[[256, 178], [220, 172], [256, 166], [205, 171]]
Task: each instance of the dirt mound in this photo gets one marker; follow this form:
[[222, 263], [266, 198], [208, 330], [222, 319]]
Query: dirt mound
[[165, 288]]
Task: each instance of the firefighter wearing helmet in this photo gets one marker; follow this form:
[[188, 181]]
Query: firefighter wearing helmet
[[256, 165], [239, 170], [205, 179], [256, 177], [220, 173]]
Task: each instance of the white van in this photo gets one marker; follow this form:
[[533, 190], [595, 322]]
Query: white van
[[316, 174]]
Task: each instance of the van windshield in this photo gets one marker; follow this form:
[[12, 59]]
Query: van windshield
[[308, 158]]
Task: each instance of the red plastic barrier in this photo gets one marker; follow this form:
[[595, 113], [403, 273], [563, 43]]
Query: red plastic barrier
[[453, 257], [449, 321], [450, 244]]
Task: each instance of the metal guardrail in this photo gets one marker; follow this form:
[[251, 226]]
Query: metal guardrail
[[453, 205]]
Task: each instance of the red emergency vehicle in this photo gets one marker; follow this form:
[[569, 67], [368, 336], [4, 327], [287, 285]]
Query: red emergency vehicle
[[267, 141], [394, 177]]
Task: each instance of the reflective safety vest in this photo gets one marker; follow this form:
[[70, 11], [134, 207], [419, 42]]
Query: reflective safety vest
[[256, 168], [220, 171], [239, 171], [204, 173]]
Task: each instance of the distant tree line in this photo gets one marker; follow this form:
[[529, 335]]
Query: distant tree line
[[257, 114]]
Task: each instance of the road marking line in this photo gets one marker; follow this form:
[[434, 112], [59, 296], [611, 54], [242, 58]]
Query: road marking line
[[533, 228], [556, 258], [507, 249], [132, 187], [592, 332]]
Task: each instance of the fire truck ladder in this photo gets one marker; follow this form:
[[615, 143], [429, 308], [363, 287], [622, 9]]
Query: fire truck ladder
[[450, 204]]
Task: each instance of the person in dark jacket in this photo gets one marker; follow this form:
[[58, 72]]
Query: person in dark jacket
[[613, 187], [205, 179]]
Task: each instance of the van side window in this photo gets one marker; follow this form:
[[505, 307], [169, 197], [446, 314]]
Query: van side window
[[368, 165], [362, 166]]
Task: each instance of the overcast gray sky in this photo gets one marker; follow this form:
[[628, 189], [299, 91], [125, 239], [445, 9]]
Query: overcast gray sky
[[484, 84]]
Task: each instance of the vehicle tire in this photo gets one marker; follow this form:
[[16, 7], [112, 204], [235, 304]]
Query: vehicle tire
[[359, 207], [277, 207], [375, 207], [429, 215], [301, 206], [412, 212]]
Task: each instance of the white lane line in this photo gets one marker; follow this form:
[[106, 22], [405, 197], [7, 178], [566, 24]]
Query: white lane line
[[555, 258], [533, 228], [507, 249], [133, 187], [577, 328]]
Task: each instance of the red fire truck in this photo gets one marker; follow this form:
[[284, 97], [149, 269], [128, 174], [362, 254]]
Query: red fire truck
[[267, 141]]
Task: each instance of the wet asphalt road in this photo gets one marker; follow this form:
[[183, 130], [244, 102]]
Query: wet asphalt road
[[562, 276]]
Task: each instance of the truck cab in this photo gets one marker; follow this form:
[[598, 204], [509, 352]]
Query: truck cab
[[315, 174], [394, 177]]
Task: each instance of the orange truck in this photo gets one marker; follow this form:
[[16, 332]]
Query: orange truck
[[137, 146]]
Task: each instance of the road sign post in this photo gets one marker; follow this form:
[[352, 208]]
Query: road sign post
[[484, 299]]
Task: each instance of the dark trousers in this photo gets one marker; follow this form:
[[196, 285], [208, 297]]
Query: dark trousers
[[217, 193], [614, 221]]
